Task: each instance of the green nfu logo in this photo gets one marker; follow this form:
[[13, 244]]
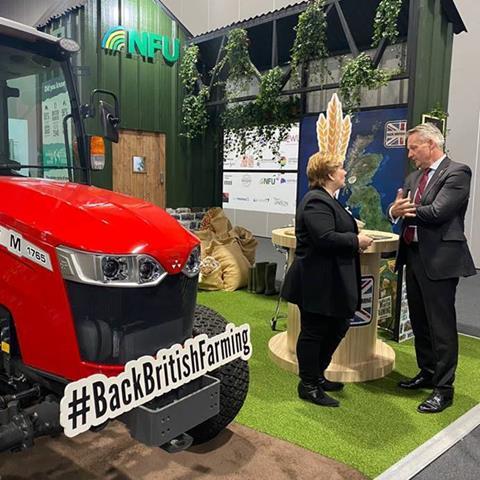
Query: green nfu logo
[[145, 44]]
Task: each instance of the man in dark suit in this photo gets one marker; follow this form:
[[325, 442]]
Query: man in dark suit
[[434, 249]]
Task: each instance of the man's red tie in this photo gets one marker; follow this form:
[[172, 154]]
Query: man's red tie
[[409, 232]]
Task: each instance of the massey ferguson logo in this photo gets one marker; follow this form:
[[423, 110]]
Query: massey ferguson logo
[[16, 244]]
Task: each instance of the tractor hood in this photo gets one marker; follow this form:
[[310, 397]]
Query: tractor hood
[[93, 220]]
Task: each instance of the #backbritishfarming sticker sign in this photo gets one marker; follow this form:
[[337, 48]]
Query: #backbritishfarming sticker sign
[[93, 400]]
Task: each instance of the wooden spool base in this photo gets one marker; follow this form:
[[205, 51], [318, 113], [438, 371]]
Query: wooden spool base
[[379, 365]]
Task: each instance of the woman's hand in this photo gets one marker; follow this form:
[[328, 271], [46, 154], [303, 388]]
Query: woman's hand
[[364, 241]]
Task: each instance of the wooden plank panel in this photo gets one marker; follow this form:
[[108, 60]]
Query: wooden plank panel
[[146, 185]]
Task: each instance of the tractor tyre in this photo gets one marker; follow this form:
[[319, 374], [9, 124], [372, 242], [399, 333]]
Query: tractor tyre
[[233, 379]]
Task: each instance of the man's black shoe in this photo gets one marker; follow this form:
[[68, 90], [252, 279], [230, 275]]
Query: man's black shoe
[[329, 386], [315, 394], [422, 380], [438, 401]]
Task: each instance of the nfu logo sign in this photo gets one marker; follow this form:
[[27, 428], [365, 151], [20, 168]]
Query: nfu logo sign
[[146, 44]]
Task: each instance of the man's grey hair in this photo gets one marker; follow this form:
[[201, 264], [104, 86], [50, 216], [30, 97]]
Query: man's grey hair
[[428, 131]]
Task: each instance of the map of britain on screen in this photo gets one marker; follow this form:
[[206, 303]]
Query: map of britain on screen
[[376, 163]]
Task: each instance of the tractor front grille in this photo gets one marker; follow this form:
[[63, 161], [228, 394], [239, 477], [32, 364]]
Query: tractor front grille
[[115, 325]]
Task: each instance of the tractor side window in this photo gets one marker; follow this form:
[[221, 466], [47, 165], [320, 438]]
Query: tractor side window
[[35, 99]]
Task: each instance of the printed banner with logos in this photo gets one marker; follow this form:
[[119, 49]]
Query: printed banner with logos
[[286, 160], [55, 105], [263, 183], [260, 192], [376, 163]]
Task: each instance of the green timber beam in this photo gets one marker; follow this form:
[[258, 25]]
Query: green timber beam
[[430, 41]]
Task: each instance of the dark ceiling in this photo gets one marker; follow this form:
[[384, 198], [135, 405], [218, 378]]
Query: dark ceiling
[[359, 15]]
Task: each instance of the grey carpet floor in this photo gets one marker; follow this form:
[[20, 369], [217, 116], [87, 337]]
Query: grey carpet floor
[[462, 461], [468, 305]]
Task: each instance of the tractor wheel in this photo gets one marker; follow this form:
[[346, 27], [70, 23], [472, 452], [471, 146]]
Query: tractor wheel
[[233, 379]]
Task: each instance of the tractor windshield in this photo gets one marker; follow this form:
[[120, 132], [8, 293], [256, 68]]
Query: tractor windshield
[[35, 116]]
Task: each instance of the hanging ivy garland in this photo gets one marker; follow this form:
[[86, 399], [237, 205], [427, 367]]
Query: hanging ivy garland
[[359, 72], [310, 40], [256, 123], [194, 107], [263, 122], [237, 60], [385, 21]]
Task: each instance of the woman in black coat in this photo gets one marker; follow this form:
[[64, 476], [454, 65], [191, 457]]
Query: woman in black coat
[[324, 278]]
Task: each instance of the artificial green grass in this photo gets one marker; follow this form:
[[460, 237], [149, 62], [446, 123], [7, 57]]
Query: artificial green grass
[[377, 423]]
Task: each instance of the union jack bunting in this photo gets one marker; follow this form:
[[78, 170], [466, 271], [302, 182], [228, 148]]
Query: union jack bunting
[[395, 134], [364, 315]]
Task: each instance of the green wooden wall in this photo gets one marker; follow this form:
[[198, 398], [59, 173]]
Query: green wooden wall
[[431, 52], [149, 92]]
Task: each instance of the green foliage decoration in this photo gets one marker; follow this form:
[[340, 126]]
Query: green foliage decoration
[[264, 121], [359, 72], [385, 21], [194, 112], [310, 40], [188, 68], [194, 107], [438, 112], [237, 60]]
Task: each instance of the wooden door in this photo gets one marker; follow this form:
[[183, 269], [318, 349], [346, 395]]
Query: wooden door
[[139, 165]]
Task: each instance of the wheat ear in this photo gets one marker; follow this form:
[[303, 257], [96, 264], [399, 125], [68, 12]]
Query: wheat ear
[[333, 119], [345, 138], [322, 134]]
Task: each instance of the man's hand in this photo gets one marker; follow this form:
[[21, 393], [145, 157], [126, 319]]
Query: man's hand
[[403, 207]]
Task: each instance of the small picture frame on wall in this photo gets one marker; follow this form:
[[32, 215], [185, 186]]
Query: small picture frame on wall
[[438, 122], [139, 164]]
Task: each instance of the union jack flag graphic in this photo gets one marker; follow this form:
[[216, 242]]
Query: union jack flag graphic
[[395, 134], [364, 315]]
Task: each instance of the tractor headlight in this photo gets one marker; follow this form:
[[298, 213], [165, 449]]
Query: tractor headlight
[[149, 269], [109, 270], [192, 266], [115, 268]]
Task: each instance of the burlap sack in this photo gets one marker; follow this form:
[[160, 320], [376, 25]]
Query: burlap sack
[[216, 221], [210, 275], [233, 248], [248, 243], [234, 264], [206, 237]]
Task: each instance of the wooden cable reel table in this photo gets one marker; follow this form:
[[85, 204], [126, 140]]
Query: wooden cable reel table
[[361, 355]]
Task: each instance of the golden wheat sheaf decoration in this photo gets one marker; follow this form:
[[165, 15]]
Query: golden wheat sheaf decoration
[[333, 131]]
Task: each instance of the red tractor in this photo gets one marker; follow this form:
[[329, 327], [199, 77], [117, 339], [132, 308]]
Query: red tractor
[[91, 281]]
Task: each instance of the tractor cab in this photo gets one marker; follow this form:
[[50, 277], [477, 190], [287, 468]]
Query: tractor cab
[[42, 134]]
